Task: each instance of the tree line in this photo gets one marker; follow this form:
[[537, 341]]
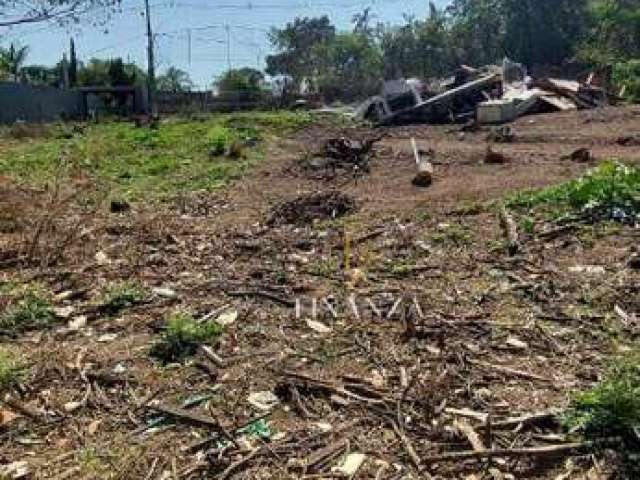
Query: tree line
[[312, 56], [537, 33]]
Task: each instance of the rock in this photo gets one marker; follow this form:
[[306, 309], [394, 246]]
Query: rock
[[634, 261]]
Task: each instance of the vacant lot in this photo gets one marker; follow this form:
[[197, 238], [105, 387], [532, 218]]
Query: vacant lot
[[125, 250]]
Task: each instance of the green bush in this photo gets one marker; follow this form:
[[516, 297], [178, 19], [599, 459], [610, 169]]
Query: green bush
[[627, 76], [182, 337]]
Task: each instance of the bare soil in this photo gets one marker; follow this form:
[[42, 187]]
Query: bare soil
[[500, 335]]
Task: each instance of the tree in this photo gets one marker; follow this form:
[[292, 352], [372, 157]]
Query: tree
[[477, 30], [353, 67], [174, 80], [419, 48], [73, 64], [41, 75], [533, 32], [241, 85], [12, 59], [362, 22], [16, 12], [297, 48], [613, 32], [110, 73]]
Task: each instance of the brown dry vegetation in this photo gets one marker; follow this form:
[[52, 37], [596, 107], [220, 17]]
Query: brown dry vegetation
[[483, 309]]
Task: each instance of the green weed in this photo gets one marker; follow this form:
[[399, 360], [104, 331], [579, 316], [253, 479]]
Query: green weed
[[11, 370], [453, 233], [611, 189], [32, 312], [121, 296], [219, 137], [612, 407], [143, 163], [527, 224], [182, 337]]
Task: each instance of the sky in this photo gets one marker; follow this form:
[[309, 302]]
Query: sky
[[202, 37]]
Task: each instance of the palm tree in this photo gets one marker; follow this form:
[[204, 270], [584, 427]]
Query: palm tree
[[174, 80], [12, 60]]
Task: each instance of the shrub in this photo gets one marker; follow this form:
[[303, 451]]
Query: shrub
[[182, 337]]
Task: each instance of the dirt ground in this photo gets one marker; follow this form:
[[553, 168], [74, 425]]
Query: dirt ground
[[477, 337]]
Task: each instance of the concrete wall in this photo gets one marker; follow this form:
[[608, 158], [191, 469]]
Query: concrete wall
[[37, 104]]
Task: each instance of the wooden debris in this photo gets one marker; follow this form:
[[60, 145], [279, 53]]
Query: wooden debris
[[408, 446], [185, 416], [21, 408], [547, 450], [510, 230], [494, 158], [511, 371], [467, 430], [213, 356], [528, 419], [424, 176]]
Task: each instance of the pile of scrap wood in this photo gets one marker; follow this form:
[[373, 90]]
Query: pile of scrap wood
[[344, 154], [488, 95], [551, 94]]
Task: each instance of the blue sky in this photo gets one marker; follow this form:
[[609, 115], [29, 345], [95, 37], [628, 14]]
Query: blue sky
[[205, 22]]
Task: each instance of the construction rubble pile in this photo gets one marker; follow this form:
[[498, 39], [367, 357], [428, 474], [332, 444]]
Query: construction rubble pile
[[490, 95]]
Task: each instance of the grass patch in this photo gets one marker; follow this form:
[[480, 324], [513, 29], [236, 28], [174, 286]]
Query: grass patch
[[11, 370], [182, 337], [121, 296], [30, 313], [612, 407], [456, 234], [148, 163], [611, 190]]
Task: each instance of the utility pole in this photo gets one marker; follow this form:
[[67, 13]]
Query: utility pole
[[226, 27], [151, 74]]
